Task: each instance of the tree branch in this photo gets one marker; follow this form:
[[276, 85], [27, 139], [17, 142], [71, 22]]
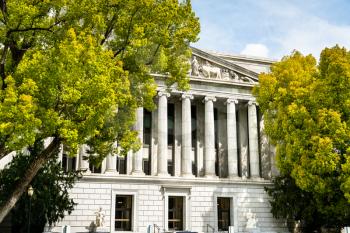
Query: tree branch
[[109, 29], [28, 176], [30, 29], [154, 55], [3, 7], [128, 34], [2, 67]]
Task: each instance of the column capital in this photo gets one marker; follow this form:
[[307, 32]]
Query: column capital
[[209, 98], [231, 101], [253, 102], [187, 96], [163, 93]]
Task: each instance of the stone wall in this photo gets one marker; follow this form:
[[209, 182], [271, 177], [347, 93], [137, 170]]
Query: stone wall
[[150, 199]]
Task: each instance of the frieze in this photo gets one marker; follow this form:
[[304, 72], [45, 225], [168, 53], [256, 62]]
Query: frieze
[[201, 68]]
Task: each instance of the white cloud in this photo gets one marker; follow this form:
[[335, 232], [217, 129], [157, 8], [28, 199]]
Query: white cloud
[[314, 35], [258, 50], [303, 30]]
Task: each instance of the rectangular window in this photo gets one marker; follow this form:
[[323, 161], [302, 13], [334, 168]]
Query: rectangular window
[[147, 127], [68, 163], [121, 165], [223, 204], [171, 118], [94, 168], [146, 167], [194, 125], [123, 213], [175, 213], [170, 167]]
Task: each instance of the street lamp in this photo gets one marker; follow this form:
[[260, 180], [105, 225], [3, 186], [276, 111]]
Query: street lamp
[[30, 192]]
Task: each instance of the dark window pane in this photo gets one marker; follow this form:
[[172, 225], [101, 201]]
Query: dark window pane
[[94, 169], [194, 125], [121, 165], [171, 117], [123, 213], [223, 213], [175, 213], [147, 127], [68, 163], [170, 167], [146, 167]]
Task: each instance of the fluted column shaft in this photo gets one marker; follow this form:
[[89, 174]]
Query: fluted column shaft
[[137, 156], [232, 156], [209, 137], [186, 145], [162, 169], [253, 140]]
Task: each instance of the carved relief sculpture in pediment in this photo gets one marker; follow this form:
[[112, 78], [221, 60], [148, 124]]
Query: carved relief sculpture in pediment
[[204, 69]]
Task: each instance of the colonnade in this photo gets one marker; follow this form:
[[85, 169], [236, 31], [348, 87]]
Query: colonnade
[[186, 139]]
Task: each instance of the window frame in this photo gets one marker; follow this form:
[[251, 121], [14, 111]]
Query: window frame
[[175, 212], [224, 210], [176, 191], [233, 211], [134, 220]]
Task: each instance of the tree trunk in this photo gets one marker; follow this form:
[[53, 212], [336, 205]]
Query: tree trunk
[[30, 173]]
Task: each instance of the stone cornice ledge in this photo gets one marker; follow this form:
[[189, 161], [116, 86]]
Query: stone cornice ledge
[[169, 180]]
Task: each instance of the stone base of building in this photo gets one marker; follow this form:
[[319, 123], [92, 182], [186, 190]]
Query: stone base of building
[[150, 199]]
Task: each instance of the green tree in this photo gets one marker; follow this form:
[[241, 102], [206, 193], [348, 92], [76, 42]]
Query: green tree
[[51, 199], [306, 110], [75, 71]]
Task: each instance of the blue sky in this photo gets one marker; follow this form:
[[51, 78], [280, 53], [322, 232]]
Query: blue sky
[[272, 28]]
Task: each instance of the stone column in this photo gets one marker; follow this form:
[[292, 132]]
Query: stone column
[[111, 162], [162, 169], [253, 140], [232, 156], [209, 137], [186, 146], [154, 141], [178, 139], [243, 139], [137, 157], [83, 161], [200, 140]]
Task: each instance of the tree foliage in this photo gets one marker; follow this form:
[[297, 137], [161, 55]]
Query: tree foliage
[[306, 110], [51, 185], [75, 71]]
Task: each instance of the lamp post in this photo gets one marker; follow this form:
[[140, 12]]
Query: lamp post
[[30, 194]]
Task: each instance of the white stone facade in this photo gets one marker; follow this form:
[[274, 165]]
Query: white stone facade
[[229, 158]]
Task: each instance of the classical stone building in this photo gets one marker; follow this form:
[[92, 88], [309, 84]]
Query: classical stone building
[[203, 165]]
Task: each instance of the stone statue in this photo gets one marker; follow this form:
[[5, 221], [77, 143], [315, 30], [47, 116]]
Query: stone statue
[[209, 70], [195, 67], [234, 76], [251, 220], [225, 74], [100, 218]]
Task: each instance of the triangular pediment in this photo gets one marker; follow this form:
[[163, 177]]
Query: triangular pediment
[[208, 66]]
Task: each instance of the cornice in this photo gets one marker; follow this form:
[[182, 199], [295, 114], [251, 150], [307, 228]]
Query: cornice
[[174, 181]]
